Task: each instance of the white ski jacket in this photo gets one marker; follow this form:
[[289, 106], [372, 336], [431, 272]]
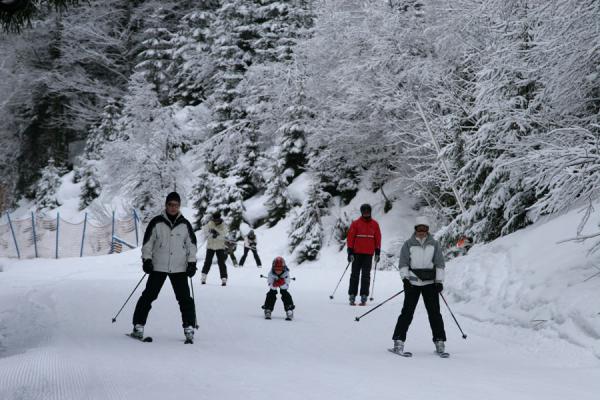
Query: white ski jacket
[[170, 246]]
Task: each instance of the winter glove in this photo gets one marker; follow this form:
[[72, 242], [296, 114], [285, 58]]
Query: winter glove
[[377, 255], [147, 266], [350, 255], [191, 269], [439, 286], [407, 284], [279, 282], [214, 233]]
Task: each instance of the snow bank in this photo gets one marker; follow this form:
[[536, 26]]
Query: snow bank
[[526, 279]]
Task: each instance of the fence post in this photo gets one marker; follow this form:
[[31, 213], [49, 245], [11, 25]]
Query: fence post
[[112, 235], [13, 233], [34, 235], [135, 221], [83, 235], [57, 226]]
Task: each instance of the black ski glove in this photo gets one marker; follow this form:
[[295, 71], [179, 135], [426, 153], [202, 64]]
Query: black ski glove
[[147, 266], [350, 255], [191, 269], [214, 233], [439, 287], [407, 284], [377, 255]]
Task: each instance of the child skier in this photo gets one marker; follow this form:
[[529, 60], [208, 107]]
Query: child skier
[[279, 278], [250, 245]]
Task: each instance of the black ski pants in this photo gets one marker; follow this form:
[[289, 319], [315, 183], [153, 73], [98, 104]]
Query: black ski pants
[[431, 298], [361, 270], [221, 258], [153, 286], [286, 297], [254, 253]]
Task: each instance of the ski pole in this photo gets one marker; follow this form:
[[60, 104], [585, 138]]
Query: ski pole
[[342, 277], [194, 301], [377, 306], [262, 276], [373, 288], [132, 292], [457, 324]]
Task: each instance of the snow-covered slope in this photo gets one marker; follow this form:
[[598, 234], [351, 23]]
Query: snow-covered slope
[[57, 340]]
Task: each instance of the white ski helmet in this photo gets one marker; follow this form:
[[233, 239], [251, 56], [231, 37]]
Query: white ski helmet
[[421, 220]]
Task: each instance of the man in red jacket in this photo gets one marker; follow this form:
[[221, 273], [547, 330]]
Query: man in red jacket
[[364, 240]]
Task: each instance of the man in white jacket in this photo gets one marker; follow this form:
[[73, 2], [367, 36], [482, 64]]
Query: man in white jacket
[[422, 271], [215, 232], [169, 251]]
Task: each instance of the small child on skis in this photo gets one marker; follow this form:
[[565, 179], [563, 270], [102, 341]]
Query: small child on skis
[[279, 278]]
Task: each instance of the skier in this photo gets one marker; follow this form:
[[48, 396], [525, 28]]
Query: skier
[[422, 271], [250, 244], [279, 278], [215, 232], [169, 250], [364, 240], [230, 246]]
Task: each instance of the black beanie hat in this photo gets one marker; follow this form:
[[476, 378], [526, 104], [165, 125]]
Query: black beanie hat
[[173, 196], [365, 208]]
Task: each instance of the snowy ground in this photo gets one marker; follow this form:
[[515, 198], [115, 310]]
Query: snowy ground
[[57, 342]]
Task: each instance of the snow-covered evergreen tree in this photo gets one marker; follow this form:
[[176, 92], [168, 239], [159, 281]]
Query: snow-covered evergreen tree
[[278, 202], [146, 157], [226, 197], [202, 193], [306, 233], [47, 187]]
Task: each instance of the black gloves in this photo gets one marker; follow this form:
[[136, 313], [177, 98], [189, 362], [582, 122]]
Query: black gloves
[[377, 255], [350, 255], [147, 266], [406, 284], [439, 287], [191, 269], [214, 233]]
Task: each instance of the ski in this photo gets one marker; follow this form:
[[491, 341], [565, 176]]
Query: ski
[[147, 339], [288, 319], [443, 355], [188, 341], [405, 354]]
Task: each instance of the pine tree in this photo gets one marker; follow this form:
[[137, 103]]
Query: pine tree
[[156, 57], [192, 64], [247, 166], [278, 202], [106, 131], [226, 197], [306, 234], [202, 193], [292, 143], [46, 188]]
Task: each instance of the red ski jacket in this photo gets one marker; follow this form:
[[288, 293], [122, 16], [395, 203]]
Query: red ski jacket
[[364, 236]]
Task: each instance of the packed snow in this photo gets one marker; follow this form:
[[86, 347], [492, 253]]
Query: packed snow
[[57, 340]]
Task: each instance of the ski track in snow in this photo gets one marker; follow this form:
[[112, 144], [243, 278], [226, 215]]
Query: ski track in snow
[[59, 342]]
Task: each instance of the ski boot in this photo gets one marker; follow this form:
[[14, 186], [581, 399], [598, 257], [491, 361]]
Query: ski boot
[[223, 281], [138, 332], [440, 348], [267, 314], [363, 300], [352, 300], [188, 331], [399, 349], [289, 315], [203, 278]]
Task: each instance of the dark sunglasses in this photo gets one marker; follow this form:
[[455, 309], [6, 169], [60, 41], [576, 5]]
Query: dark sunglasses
[[173, 204], [422, 230]]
